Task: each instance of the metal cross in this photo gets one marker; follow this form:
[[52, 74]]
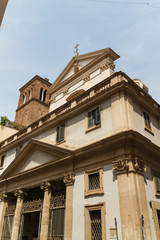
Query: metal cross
[[75, 50]]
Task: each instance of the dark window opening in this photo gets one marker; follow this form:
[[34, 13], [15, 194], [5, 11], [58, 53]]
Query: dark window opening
[[147, 120], [7, 227], [94, 181], [157, 183], [96, 225], [2, 161], [60, 133], [94, 117], [158, 215]]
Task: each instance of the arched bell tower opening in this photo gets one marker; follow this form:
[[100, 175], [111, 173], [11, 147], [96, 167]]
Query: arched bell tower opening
[[33, 101]]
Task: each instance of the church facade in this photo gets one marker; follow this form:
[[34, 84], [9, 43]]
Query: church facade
[[89, 169]]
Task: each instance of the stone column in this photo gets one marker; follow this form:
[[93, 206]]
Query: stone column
[[17, 217], [132, 197], [46, 186], [69, 181], [3, 205]]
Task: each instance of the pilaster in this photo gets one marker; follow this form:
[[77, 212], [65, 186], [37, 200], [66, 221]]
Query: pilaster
[[69, 181], [46, 186], [132, 197], [3, 205], [17, 217]]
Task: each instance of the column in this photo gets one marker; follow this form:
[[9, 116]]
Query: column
[[132, 198], [17, 217], [46, 186], [3, 205], [69, 181]]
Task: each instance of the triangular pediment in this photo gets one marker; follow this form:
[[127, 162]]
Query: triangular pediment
[[81, 62], [35, 154]]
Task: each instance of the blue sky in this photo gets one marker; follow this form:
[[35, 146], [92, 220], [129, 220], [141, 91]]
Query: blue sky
[[37, 38]]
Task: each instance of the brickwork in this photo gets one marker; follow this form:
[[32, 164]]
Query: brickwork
[[33, 102]]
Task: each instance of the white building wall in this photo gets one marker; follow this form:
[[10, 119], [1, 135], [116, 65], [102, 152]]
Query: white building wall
[[150, 193], [110, 197]]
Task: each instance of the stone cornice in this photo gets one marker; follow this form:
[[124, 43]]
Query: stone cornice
[[32, 99], [79, 103], [38, 78], [130, 140]]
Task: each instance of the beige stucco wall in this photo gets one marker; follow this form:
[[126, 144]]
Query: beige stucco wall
[[110, 197], [6, 132], [139, 122], [95, 77], [9, 157], [76, 127]]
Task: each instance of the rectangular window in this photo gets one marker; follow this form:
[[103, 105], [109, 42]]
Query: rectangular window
[[93, 181], [2, 161], [7, 227], [96, 226], [147, 120], [57, 223], [157, 183], [158, 216], [95, 223], [60, 133], [93, 117]]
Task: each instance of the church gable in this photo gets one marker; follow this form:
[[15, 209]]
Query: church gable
[[36, 159], [35, 154], [80, 64]]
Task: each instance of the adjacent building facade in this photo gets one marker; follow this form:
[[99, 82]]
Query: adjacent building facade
[[89, 169]]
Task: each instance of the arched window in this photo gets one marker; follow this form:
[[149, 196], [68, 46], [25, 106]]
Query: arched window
[[42, 95], [24, 98], [30, 93]]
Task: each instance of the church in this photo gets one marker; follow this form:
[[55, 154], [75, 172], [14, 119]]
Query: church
[[86, 163]]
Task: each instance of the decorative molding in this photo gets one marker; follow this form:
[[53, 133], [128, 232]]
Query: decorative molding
[[58, 200], [121, 166], [45, 186], [138, 165], [135, 165], [3, 197], [65, 92], [108, 64], [69, 179], [18, 193], [32, 205], [87, 77]]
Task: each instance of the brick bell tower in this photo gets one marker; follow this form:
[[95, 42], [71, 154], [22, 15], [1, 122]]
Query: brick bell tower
[[34, 101]]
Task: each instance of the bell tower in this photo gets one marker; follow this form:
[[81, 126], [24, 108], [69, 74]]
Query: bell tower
[[33, 101]]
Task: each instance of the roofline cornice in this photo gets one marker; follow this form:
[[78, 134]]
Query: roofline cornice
[[67, 110]]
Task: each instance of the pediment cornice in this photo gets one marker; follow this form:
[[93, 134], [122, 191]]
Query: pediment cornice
[[32, 146]]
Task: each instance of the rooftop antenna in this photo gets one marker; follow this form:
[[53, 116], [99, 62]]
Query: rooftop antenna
[[75, 50]]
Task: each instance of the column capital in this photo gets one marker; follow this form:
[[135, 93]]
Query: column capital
[[120, 166], [135, 164], [69, 179], [3, 197], [18, 193], [45, 186]]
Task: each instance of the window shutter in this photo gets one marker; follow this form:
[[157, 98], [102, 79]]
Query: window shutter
[[89, 119], [157, 181], [60, 133], [97, 115]]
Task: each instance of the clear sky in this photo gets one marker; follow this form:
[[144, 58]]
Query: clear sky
[[37, 38]]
